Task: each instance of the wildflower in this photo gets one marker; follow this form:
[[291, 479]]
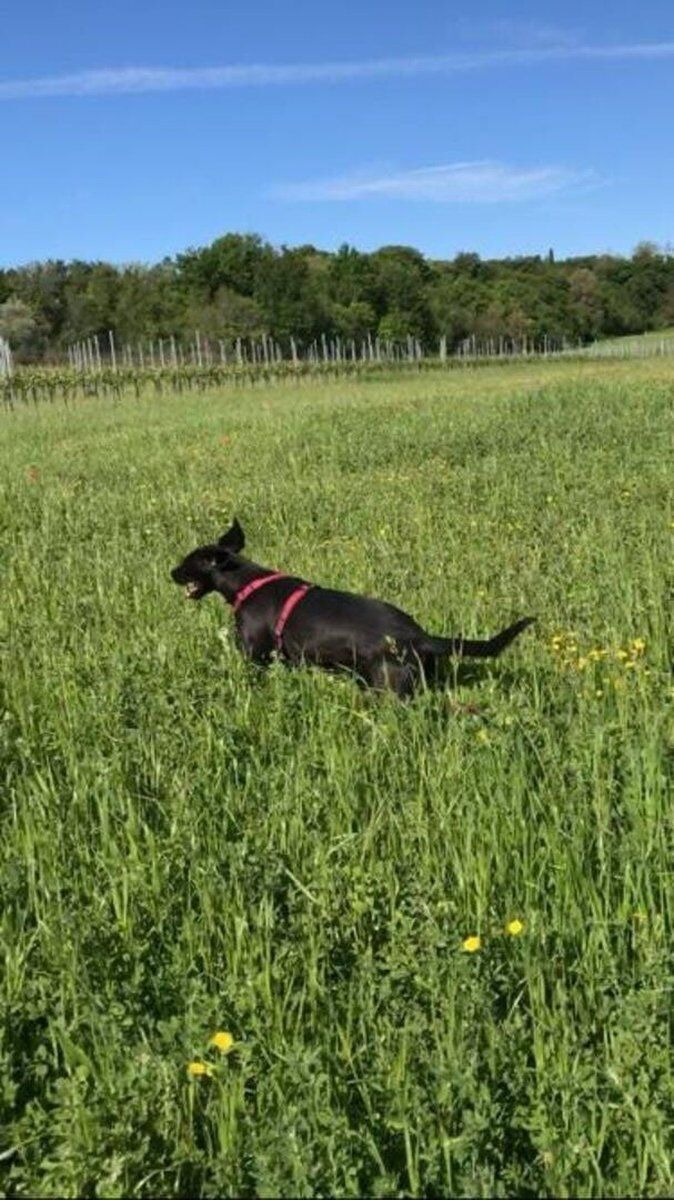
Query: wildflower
[[638, 646], [222, 1041], [581, 664], [515, 928], [471, 944], [599, 693], [199, 1068], [622, 655]]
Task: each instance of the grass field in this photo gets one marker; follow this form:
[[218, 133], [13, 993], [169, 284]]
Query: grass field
[[189, 846]]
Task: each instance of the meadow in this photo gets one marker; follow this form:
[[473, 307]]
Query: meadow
[[436, 944]]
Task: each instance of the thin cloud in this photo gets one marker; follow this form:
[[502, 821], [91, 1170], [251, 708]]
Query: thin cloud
[[127, 80], [483, 182]]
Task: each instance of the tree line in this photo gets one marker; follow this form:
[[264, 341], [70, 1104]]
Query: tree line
[[240, 286]]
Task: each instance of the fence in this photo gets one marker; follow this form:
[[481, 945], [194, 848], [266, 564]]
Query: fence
[[166, 366], [5, 359], [95, 354]]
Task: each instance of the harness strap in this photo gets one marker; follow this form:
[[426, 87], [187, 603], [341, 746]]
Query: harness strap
[[285, 613], [253, 586], [288, 607]]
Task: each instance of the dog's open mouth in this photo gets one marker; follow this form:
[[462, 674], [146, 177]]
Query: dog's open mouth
[[194, 591]]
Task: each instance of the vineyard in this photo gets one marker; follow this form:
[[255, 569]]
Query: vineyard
[[165, 366]]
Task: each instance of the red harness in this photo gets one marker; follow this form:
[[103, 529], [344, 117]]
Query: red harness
[[287, 608]]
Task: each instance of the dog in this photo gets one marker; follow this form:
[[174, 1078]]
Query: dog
[[305, 623]]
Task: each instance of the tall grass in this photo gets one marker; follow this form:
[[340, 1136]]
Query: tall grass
[[192, 846]]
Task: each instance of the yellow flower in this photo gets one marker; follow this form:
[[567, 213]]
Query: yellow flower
[[471, 944], [638, 646], [199, 1068], [515, 928], [599, 693], [222, 1041], [581, 664], [622, 655], [482, 735]]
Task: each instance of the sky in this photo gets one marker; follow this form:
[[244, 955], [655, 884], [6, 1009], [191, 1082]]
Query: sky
[[132, 131]]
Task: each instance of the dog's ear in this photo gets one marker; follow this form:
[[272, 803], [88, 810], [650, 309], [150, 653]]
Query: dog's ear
[[234, 540]]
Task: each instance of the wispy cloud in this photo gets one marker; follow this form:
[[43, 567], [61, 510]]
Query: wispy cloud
[[483, 182], [119, 81]]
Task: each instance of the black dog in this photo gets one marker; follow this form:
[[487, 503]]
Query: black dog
[[307, 623]]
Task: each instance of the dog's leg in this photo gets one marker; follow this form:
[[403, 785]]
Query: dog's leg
[[387, 675], [258, 649]]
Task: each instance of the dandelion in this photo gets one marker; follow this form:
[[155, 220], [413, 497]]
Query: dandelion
[[222, 1041], [195, 1069], [471, 944], [515, 928], [638, 646]]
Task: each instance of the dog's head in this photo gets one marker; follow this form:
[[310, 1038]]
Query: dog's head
[[202, 571]]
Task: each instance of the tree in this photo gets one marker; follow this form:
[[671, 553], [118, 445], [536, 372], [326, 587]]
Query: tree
[[22, 329], [290, 303], [232, 261]]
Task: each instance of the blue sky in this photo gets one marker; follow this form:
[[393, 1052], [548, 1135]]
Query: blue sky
[[135, 130]]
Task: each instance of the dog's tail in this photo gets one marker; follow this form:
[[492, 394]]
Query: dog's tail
[[441, 647]]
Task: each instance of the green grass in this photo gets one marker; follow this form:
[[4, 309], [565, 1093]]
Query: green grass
[[189, 845]]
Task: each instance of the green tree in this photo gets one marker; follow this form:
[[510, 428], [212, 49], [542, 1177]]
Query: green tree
[[22, 329]]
